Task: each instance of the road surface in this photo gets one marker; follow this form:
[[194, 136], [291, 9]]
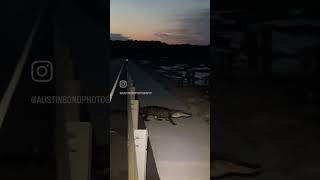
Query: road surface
[[181, 151]]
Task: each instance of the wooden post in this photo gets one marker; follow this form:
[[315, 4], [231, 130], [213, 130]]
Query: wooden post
[[61, 147], [135, 113], [79, 143], [73, 138], [72, 111], [132, 161]]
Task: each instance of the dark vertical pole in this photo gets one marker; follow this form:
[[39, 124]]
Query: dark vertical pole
[[84, 27], [251, 48], [62, 152], [228, 64], [266, 51], [193, 78]]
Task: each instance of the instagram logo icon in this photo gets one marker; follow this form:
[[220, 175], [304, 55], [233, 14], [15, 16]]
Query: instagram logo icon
[[41, 71]]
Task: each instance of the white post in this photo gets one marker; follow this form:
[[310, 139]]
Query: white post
[[141, 141], [79, 144]]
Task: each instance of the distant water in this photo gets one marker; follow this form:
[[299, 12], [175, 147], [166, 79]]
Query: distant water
[[178, 71]]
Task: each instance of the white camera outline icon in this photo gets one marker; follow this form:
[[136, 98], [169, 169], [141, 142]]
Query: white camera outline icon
[[47, 67]]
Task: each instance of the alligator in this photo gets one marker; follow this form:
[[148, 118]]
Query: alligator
[[221, 168], [160, 113]]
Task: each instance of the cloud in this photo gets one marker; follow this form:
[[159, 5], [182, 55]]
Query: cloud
[[117, 36], [175, 38], [163, 36], [190, 27]]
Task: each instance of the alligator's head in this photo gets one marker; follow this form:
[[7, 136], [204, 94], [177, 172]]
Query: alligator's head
[[179, 114]]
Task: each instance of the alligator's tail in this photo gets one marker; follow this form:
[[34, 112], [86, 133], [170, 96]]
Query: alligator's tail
[[223, 168]]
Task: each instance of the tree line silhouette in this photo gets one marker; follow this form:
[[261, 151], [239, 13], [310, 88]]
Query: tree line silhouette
[[159, 51]]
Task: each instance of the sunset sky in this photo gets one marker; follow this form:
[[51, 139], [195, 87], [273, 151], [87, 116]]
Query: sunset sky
[[170, 21]]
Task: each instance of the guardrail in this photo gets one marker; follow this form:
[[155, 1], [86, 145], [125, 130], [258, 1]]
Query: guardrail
[[116, 82], [7, 96], [137, 138]]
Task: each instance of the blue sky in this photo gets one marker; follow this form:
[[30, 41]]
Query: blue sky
[[170, 21]]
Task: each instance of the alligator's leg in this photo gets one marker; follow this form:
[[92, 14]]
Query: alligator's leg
[[145, 117], [160, 119], [171, 121], [223, 168]]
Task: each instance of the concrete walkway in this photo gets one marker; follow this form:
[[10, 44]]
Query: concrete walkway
[[181, 151]]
